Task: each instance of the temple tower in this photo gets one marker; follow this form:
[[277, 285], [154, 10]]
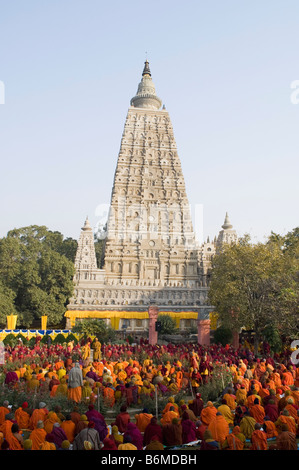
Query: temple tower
[[151, 256], [228, 234], [150, 234]]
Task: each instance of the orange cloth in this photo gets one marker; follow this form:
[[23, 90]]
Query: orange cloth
[[292, 410], [142, 421], [3, 411], [277, 380], [226, 413], [295, 395], [251, 398], [169, 405], [219, 428], [259, 440], [241, 394], [22, 418], [109, 396], [168, 417], [37, 437], [53, 391], [37, 415], [287, 378], [208, 414], [258, 413], [75, 394], [230, 400], [51, 419], [271, 429], [263, 392], [289, 421], [14, 443], [48, 446], [5, 428], [234, 443], [179, 378], [69, 428]]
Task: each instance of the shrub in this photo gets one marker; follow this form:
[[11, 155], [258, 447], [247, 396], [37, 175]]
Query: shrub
[[168, 324], [223, 335]]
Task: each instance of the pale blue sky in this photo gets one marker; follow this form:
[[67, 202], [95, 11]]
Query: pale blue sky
[[223, 69]]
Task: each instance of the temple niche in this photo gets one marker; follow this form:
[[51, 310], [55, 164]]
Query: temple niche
[[151, 254]]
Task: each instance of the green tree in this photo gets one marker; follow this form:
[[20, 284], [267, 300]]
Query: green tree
[[289, 295], [168, 325], [222, 335], [250, 286], [99, 246], [7, 306], [33, 267], [95, 327]]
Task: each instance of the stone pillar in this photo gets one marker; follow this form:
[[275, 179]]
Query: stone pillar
[[153, 312], [236, 342], [203, 330]]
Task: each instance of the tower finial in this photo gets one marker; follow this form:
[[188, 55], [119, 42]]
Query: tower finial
[[146, 70], [146, 94], [227, 225], [87, 225]]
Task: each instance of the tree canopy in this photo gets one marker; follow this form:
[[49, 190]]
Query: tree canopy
[[255, 285], [168, 324], [95, 327], [36, 272]]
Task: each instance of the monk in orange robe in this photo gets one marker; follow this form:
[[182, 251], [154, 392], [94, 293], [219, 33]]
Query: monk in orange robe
[[230, 400], [22, 417], [179, 378], [295, 395], [5, 428], [38, 414], [170, 403], [109, 395], [69, 428], [38, 436], [219, 428], [285, 418], [53, 390], [4, 410], [15, 439], [50, 420], [287, 378], [291, 408], [270, 428], [235, 440], [208, 413], [241, 394], [251, 398], [75, 383], [257, 412], [46, 445], [143, 419], [259, 439], [169, 416]]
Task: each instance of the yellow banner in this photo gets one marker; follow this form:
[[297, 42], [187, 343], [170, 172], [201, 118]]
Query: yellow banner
[[11, 322], [116, 315], [214, 319], [44, 319]]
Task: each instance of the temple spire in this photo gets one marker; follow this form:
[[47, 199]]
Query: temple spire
[[87, 225], [227, 235], [146, 93], [227, 225]]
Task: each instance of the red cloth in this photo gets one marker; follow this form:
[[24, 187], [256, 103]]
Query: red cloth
[[152, 429], [122, 420]]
